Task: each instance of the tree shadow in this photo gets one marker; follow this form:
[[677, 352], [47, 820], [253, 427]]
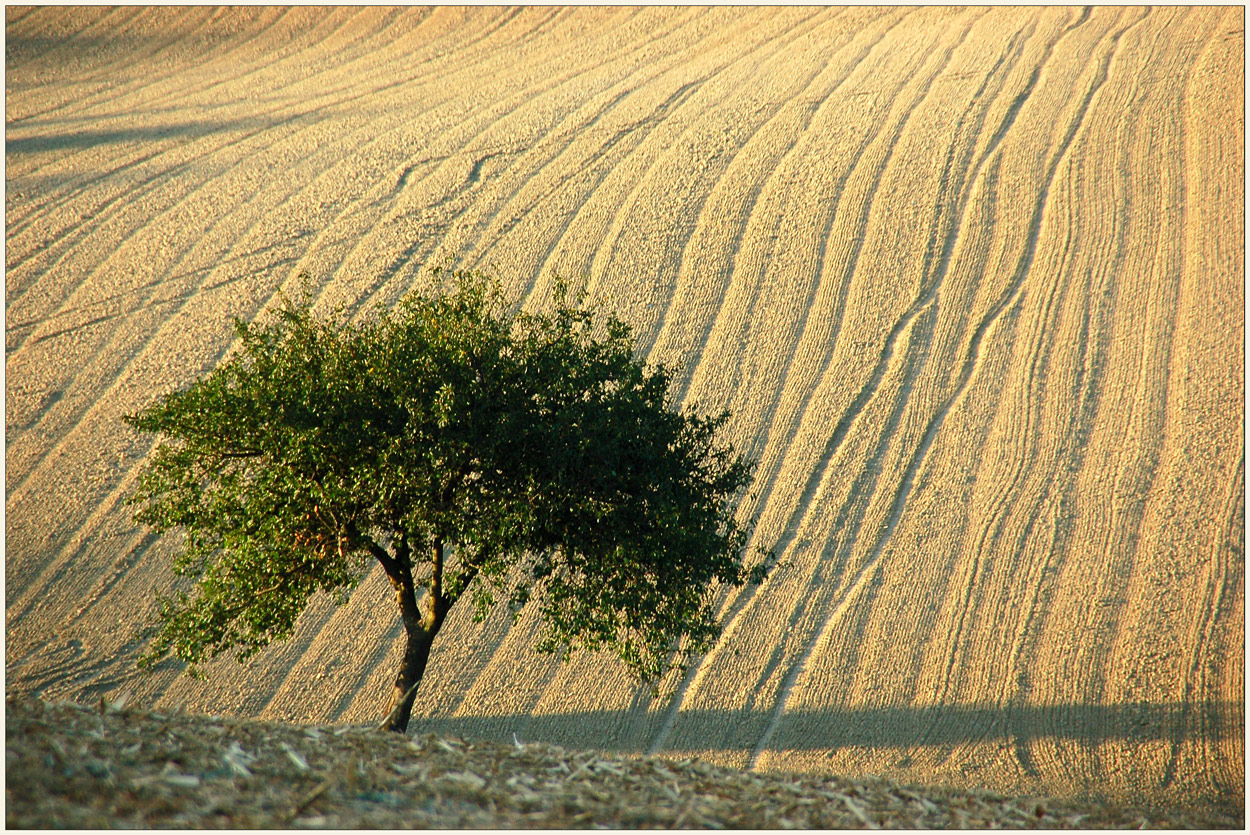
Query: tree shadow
[[69, 140], [873, 727]]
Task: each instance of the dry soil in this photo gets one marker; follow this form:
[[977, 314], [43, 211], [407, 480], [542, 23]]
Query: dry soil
[[970, 280]]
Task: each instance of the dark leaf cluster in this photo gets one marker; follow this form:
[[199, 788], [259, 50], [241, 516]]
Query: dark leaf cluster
[[466, 447]]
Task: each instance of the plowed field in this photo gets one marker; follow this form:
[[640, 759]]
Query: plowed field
[[970, 280]]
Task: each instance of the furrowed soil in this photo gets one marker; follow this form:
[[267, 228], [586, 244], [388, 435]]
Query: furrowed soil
[[971, 282]]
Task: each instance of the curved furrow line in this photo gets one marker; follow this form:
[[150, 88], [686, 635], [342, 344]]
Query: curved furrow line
[[233, 59], [871, 562], [89, 279], [150, 57], [785, 544], [1096, 315], [819, 473], [931, 283], [604, 166], [616, 226], [743, 293], [734, 603], [850, 518], [1040, 592], [855, 248], [1036, 589], [21, 31], [1001, 506], [132, 196], [221, 689], [1093, 336], [336, 63], [1006, 299], [72, 245], [460, 49], [929, 272], [1214, 597], [19, 14], [146, 288], [52, 572], [128, 199], [449, 165], [1023, 757], [451, 159], [154, 45], [273, 116], [596, 166], [333, 51], [737, 193], [447, 168], [105, 76], [464, 55], [731, 604], [1221, 597], [26, 595], [65, 44], [1138, 466], [36, 212], [738, 608], [766, 152], [112, 98], [1022, 458], [130, 556], [411, 250], [404, 176], [403, 181], [301, 107], [1156, 439]]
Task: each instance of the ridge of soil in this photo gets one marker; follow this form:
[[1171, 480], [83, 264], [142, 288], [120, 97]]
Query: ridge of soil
[[108, 766]]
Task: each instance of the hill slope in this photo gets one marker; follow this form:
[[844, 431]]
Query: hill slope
[[971, 281]]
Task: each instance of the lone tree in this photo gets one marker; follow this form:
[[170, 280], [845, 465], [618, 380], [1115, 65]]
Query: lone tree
[[466, 449]]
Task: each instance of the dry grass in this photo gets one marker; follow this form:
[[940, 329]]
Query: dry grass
[[69, 765]]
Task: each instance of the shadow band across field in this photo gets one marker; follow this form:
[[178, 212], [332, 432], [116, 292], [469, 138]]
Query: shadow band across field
[[60, 138], [892, 727]]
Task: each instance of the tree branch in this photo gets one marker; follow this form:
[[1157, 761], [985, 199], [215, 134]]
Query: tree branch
[[438, 602], [394, 570], [242, 453], [468, 570]]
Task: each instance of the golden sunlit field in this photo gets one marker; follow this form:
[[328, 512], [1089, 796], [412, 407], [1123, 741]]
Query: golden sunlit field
[[971, 282]]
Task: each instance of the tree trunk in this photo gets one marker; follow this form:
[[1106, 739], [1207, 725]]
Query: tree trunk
[[420, 632], [411, 671]]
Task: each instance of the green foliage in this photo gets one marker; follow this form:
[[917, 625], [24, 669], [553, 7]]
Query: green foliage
[[537, 448]]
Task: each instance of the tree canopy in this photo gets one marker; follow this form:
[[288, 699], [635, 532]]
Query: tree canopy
[[466, 447]]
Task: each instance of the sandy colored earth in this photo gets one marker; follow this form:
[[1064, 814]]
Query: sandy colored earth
[[970, 280]]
